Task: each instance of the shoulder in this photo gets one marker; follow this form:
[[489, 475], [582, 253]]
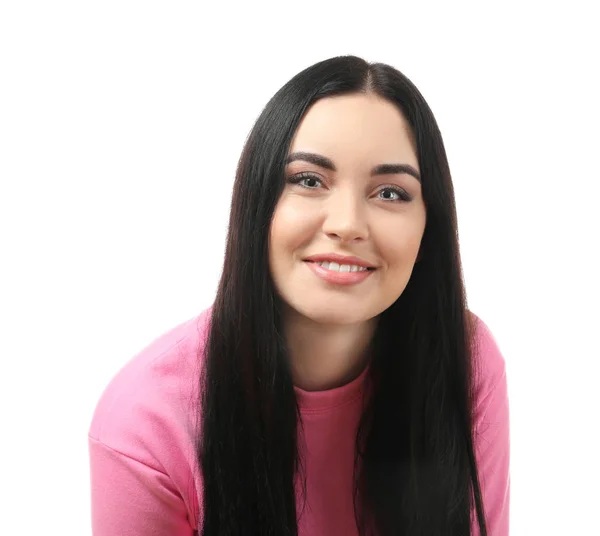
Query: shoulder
[[147, 411], [491, 418], [153, 383], [142, 454], [489, 364], [491, 427]]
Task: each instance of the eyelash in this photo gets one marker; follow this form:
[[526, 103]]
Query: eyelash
[[402, 195]]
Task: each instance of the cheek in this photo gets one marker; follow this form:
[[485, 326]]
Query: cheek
[[401, 250], [291, 227], [277, 235]]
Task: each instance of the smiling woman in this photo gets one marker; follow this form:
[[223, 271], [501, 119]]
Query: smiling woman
[[352, 189], [338, 384]]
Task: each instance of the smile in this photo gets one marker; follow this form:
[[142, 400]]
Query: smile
[[336, 274], [335, 267]]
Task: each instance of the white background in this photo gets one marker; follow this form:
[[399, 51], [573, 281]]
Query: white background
[[121, 123]]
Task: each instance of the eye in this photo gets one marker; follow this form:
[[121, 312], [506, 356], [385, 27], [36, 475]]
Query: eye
[[399, 193], [306, 178], [311, 181]]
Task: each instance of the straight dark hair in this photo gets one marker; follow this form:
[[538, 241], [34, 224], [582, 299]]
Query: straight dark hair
[[415, 467]]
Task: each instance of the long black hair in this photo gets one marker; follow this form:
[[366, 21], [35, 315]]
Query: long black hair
[[414, 446]]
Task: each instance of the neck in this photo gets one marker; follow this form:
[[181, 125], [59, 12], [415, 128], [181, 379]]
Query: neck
[[326, 356]]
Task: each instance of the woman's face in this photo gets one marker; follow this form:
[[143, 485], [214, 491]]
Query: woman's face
[[343, 205]]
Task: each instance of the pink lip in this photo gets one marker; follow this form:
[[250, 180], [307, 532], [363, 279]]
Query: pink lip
[[340, 259], [338, 278]]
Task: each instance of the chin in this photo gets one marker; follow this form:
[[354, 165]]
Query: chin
[[334, 315]]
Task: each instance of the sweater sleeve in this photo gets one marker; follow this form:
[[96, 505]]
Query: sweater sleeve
[[130, 498], [492, 437]]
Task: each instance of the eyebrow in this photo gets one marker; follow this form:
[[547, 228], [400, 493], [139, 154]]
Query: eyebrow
[[324, 162]]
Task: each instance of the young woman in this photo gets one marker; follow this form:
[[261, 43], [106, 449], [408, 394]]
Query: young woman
[[338, 385]]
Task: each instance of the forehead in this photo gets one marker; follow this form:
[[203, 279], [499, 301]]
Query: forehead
[[360, 128]]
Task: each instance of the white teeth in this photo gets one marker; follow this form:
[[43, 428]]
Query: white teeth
[[335, 267]]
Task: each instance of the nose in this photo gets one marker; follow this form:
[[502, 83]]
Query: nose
[[345, 218]]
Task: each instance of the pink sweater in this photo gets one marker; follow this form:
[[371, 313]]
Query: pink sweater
[[145, 482]]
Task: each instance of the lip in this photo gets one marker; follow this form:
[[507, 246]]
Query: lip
[[340, 259], [338, 278]]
